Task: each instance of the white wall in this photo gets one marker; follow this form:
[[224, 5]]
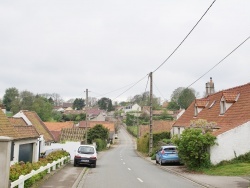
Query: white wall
[[231, 143], [176, 131], [70, 147], [16, 149]]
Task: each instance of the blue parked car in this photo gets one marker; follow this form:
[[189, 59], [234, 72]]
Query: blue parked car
[[167, 154]]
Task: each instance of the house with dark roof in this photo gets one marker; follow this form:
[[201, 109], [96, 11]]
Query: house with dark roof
[[32, 119], [25, 141], [230, 110]]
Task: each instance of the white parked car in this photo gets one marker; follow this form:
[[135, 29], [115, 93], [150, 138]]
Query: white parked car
[[86, 155]]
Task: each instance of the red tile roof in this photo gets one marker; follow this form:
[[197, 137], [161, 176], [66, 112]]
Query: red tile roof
[[19, 131], [107, 124], [17, 121], [6, 129], [39, 125], [236, 115], [201, 103], [58, 126], [158, 126]]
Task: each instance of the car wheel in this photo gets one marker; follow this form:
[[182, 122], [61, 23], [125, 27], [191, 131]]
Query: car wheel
[[156, 161], [75, 163], [161, 162], [94, 165]]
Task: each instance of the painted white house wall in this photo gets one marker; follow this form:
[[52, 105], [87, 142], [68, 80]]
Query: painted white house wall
[[70, 147], [176, 131], [17, 144], [131, 108], [232, 143]]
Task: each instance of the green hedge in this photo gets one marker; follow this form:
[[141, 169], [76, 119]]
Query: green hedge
[[22, 168], [143, 142]]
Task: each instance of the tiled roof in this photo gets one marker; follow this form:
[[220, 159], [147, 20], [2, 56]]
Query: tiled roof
[[201, 103], [25, 132], [56, 135], [74, 112], [237, 114], [58, 126], [19, 131], [158, 126], [107, 124], [72, 134], [6, 129], [230, 96], [39, 125], [17, 121]]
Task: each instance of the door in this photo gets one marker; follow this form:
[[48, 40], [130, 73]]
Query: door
[[25, 152]]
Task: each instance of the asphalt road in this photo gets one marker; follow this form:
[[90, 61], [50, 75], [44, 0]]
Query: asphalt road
[[122, 167]]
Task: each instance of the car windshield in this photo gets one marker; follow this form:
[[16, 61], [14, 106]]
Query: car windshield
[[170, 150], [86, 150]]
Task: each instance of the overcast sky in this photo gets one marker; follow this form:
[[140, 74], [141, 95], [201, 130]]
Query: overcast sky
[[66, 47]]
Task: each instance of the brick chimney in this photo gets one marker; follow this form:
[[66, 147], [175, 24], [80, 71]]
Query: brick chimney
[[209, 87]]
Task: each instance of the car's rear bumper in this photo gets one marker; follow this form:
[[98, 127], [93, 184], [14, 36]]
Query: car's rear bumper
[[88, 161], [170, 160]]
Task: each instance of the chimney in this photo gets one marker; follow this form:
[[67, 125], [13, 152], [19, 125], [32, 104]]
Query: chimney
[[209, 87]]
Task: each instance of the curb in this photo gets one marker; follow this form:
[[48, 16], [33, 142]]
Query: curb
[[174, 172]]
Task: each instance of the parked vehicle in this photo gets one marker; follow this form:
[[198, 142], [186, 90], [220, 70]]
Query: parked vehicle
[[116, 136], [167, 154], [47, 152], [86, 154]]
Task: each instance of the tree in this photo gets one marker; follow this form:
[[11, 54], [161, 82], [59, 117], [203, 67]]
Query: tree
[[110, 106], [42, 107], [186, 97], [144, 100], [78, 104], [10, 95], [194, 143], [103, 103], [26, 100], [98, 132], [172, 105]]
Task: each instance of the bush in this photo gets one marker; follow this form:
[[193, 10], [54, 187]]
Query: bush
[[143, 142], [101, 144], [22, 168], [193, 148]]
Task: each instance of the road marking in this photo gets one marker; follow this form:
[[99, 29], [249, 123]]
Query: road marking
[[140, 180], [129, 169]]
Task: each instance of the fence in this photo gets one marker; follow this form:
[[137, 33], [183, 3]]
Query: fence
[[49, 167]]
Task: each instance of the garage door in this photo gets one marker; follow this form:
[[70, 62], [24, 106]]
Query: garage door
[[25, 152]]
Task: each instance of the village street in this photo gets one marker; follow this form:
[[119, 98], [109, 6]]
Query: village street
[[121, 166]]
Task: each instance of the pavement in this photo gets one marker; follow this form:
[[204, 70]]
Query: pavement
[[205, 180]]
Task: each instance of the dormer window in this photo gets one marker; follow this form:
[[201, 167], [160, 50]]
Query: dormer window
[[199, 106], [227, 100]]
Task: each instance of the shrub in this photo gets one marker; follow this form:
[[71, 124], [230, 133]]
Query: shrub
[[101, 144], [22, 168], [193, 147]]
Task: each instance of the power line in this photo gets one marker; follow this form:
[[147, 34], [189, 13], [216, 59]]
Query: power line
[[185, 37], [159, 91], [146, 85], [220, 61], [130, 87]]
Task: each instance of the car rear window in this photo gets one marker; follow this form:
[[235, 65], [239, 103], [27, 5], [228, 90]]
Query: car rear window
[[86, 150], [170, 150]]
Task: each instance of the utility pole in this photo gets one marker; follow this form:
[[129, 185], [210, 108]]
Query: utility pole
[[86, 123], [151, 115]]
